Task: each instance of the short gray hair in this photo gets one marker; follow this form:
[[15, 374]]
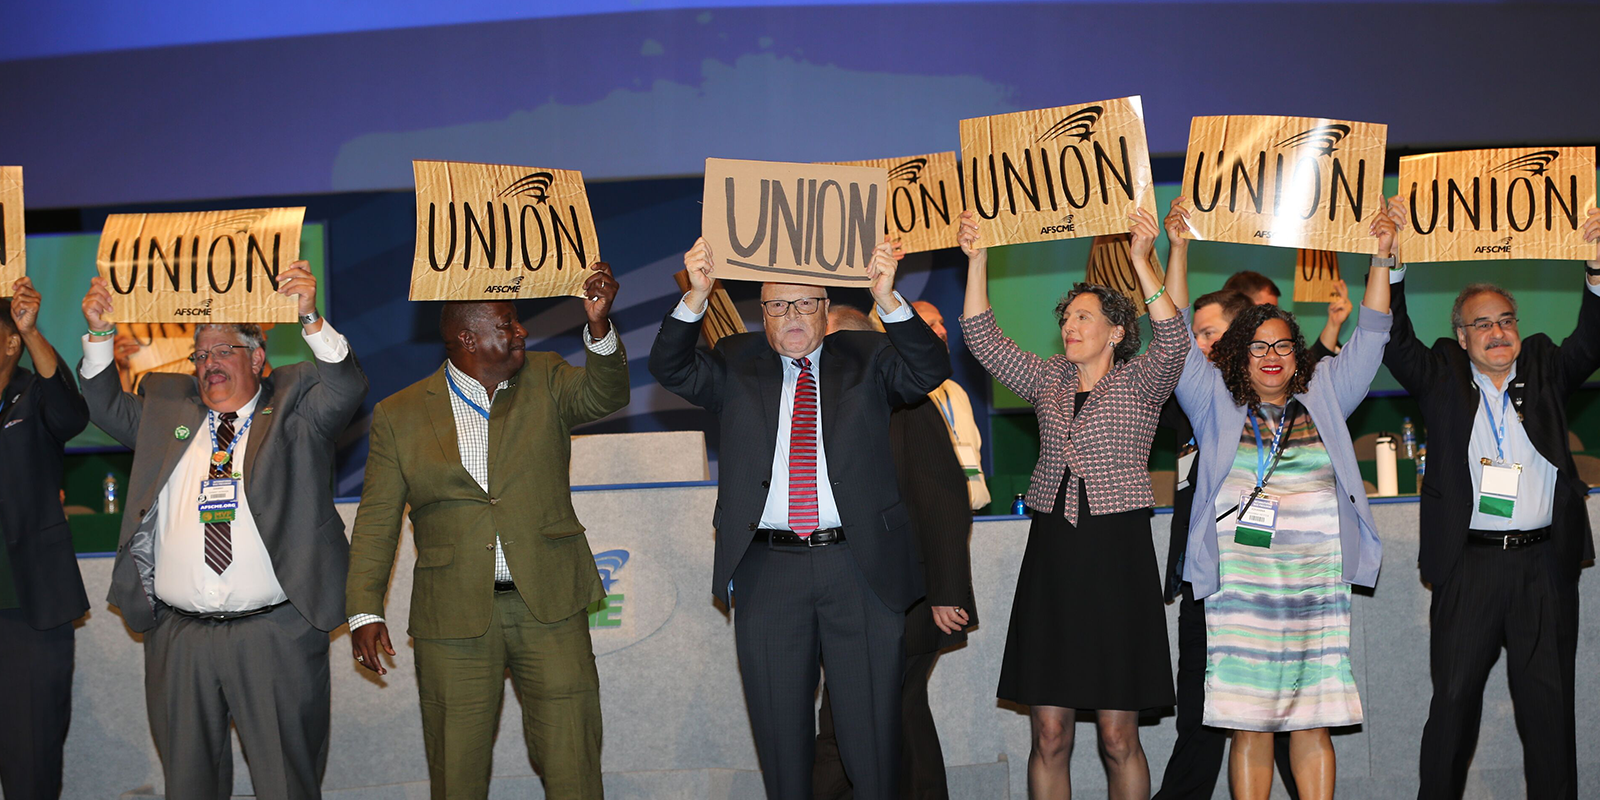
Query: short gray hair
[[248, 333], [1473, 290]]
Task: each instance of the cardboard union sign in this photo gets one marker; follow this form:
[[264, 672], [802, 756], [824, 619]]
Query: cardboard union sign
[[13, 242], [1111, 265], [1316, 273], [1484, 205], [497, 232], [802, 223], [200, 266], [1285, 181], [721, 318], [925, 200], [1057, 173]]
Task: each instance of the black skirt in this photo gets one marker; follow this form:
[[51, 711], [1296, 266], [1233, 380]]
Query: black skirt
[[1088, 630]]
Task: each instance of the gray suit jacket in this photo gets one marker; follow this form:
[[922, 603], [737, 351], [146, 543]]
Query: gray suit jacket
[[288, 476], [1339, 385]]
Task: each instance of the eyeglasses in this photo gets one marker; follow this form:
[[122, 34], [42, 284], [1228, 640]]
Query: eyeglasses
[[1283, 347], [219, 351], [1486, 325], [804, 305]]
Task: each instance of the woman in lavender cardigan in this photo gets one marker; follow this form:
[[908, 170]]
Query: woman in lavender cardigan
[[1280, 529], [1087, 627]]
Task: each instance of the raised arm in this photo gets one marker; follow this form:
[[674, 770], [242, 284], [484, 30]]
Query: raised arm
[[1351, 371], [65, 413], [1176, 223], [1412, 363], [601, 388], [1580, 352], [681, 368], [1142, 249], [1015, 368], [114, 411], [332, 401]]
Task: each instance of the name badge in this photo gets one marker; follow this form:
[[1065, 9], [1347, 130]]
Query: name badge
[[1497, 489], [1259, 522], [219, 500]]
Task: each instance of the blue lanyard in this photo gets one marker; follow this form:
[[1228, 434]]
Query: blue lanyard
[[211, 420], [1277, 441], [465, 399], [947, 409], [1498, 428]]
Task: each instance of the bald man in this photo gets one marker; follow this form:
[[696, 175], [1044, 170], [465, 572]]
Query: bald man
[[479, 451]]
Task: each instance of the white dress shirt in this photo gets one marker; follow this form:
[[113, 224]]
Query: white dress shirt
[[775, 514], [472, 440], [1536, 487], [182, 578]]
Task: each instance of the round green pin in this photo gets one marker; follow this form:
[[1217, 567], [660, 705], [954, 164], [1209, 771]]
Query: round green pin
[[181, 432]]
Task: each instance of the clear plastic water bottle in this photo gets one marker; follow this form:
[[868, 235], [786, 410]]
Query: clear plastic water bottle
[[1019, 506], [109, 485], [1408, 439]]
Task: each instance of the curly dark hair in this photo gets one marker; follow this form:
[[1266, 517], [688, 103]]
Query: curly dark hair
[[1118, 310], [1231, 354]]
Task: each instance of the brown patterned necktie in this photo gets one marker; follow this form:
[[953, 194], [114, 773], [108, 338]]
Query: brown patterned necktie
[[219, 535]]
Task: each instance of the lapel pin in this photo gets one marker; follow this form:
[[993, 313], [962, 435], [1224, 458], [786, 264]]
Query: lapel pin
[[181, 432], [267, 410]]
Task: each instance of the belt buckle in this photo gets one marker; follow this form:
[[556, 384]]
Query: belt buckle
[[1505, 542], [811, 540]]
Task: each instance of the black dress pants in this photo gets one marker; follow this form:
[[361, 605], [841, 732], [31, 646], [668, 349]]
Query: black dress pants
[[1198, 755], [35, 706], [1507, 599], [922, 774], [795, 610]]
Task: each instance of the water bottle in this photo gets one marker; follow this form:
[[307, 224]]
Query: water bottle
[[1408, 439], [110, 487], [1019, 506]]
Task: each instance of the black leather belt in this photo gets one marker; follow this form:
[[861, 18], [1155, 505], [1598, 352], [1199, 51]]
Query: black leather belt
[[821, 538], [226, 616], [1507, 540], [505, 586]]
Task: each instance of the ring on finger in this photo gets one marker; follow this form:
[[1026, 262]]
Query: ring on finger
[[361, 659]]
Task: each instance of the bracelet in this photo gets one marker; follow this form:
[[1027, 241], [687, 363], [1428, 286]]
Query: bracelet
[[1156, 296], [112, 332]]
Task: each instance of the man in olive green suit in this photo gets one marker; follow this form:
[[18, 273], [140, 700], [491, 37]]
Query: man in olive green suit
[[480, 452]]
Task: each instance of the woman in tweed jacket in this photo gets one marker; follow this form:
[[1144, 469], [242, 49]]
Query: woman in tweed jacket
[[1087, 626]]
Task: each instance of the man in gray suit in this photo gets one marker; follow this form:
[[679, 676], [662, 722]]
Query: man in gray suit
[[232, 558]]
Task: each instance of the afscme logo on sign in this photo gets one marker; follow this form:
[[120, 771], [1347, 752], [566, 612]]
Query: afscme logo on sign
[[607, 613]]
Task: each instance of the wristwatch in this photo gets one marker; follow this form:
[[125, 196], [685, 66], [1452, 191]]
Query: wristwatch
[[310, 319], [1387, 262], [1593, 272]]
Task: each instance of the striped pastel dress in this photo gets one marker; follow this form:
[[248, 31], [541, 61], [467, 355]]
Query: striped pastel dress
[[1278, 629]]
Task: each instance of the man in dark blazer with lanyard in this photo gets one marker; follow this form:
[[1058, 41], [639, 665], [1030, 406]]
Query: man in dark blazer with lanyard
[[232, 558], [1506, 530], [815, 551], [41, 592]]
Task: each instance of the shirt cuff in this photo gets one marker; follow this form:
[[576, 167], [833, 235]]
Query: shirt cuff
[[96, 356], [685, 314], [606, 345], [1593, 289], [1397, 273], [358, 620], [901, 314], [327, 344]]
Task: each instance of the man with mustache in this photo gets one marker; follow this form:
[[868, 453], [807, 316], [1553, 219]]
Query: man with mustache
[[41, 591], [1505, 529], [480, 453], [815, 551], [232, 558]]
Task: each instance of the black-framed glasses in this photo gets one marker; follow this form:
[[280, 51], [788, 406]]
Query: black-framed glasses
[[218, 351], [1283, 347], [1484, 325], [803, 305]]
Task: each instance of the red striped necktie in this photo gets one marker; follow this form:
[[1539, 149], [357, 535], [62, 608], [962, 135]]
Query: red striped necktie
[[219, 535], [803, 453]]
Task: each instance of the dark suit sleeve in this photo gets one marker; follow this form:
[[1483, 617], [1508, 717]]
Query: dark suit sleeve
[[65, 412], [1580, 352], [112, 410], [376, 533], [685, 370], [1412, 363], [934, 489], [1318, 351], [336, 395], [916, 365], [593, 391]]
